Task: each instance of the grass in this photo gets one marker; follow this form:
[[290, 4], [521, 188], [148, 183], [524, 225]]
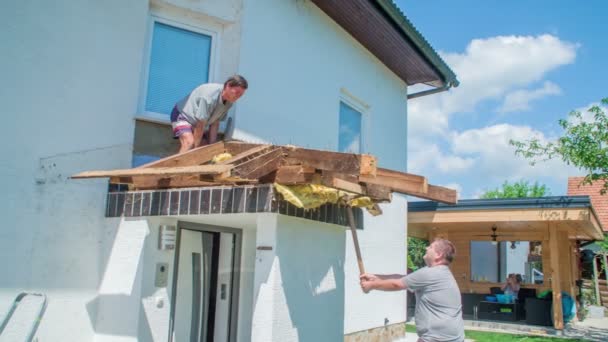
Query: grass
[[484, 336]]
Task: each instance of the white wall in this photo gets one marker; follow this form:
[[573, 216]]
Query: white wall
[[299, 284], [297, 60], [71, 73], [383, 242]]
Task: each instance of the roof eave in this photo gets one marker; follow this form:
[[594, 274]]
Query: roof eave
[[425, 49]]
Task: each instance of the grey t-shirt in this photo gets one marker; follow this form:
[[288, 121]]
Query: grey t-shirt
[[204, 103], [438, 304]]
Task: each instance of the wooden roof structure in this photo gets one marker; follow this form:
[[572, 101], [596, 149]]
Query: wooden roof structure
[[288, 165], [558, 222]]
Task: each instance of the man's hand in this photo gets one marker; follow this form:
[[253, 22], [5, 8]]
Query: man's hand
[[367, 281]]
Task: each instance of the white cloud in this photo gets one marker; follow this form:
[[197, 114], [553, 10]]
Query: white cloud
[[432, 157], [508, 71], [488, 69], [519, 100], [496, 157]]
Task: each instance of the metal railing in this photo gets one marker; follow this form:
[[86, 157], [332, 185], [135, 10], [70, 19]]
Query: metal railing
[[38, 318]]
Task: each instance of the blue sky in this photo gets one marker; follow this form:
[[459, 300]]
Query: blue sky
[[523, 65]]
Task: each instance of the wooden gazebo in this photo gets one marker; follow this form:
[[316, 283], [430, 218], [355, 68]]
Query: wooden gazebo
[[559, 223]]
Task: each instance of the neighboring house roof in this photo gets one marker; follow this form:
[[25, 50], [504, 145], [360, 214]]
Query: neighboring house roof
[[504, 203], [386, 32], [599, 201], [573, 213]]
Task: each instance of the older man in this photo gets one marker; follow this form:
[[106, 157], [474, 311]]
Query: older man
[[438, 303], [196, 118]]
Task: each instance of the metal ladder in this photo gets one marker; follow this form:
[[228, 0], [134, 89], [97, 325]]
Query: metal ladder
[[35, 324]]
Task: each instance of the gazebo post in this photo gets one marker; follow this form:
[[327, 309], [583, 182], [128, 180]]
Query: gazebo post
[[558, 315]]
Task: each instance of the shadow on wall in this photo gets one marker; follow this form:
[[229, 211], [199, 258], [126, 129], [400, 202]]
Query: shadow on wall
[[312, 273]]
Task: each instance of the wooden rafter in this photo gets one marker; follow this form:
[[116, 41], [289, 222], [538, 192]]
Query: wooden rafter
[[260, 165], [158, 171], [197, 156], [439, 194], [253, 163], [247, 155]]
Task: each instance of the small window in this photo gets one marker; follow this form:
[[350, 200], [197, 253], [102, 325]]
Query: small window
[[179, 62], [349, 136]]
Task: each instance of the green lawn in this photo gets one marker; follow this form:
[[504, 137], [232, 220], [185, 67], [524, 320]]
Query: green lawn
[[484, 336]]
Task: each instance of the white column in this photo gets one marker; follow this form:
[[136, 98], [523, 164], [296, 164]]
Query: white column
[[263, 283], [119, 298]]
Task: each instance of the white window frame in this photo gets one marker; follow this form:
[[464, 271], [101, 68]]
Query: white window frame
[[362, 107], [197, 27]]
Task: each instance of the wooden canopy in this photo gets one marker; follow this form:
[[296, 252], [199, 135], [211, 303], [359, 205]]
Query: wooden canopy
[[290, 165], [557, 222]]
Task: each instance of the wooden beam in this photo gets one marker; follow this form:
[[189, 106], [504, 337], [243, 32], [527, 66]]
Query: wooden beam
[[182, 181], [157, 171], [378, 192], [260, 165], [342, 184], [439, 194], [246, 155], [404, 185], [197, 156], [332, 161], [294, 174], [237, 147], [558, 315]]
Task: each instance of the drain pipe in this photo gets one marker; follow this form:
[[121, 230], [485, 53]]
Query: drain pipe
[[429, 92]]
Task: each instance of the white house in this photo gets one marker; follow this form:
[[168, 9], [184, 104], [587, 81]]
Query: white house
[[89, 84]]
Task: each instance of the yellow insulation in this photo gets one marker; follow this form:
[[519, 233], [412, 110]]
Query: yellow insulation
[[311, 196]]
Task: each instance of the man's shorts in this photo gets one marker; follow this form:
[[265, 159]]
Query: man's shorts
[[179, 123]]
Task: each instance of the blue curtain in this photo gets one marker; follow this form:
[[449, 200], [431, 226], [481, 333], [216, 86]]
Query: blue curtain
[[179, 62]]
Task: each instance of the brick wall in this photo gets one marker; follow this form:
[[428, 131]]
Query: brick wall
[[599, 201]]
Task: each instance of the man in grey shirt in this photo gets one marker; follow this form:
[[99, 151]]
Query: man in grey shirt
[[438, 300], [204, 107]]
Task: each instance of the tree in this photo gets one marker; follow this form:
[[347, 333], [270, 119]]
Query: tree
[[518, 189], [583, 144], [416, 248]]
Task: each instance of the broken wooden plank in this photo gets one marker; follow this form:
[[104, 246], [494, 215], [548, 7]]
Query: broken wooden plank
[[157, 171], [260, 165], [294, 174], [439, 194], [347, 163], [197, 156]]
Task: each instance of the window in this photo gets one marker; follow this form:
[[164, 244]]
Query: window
[[349, 136], [180, 59], [493, 261], [179, 62]]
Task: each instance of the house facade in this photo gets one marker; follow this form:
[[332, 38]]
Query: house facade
[[91, 87]]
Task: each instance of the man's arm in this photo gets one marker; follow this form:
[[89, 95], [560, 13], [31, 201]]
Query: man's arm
[[382, 282], [213, 128], [198, 131]]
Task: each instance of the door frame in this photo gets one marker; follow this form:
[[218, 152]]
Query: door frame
[[236, 272]]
